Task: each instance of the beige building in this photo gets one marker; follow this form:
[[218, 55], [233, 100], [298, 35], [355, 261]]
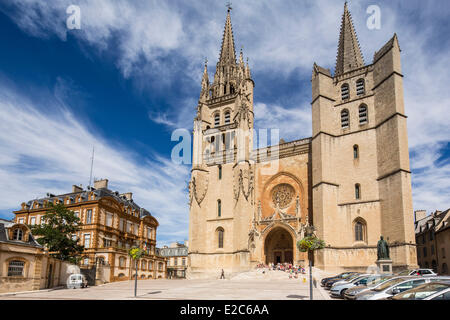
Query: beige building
[[433, 240], [24, 265], [351, 180], [112, 223], [177, 259]]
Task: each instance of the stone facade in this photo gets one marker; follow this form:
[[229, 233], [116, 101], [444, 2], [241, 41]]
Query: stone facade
[[351, 179], [177, 259], [111, 224], [433, 240], [24, 264]]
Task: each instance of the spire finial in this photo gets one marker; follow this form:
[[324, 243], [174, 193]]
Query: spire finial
[[229, 6]]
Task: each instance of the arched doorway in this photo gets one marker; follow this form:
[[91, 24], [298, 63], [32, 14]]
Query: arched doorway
[[279, 246]]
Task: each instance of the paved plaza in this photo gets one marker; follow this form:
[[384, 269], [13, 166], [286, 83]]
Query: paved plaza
[[254, 285]]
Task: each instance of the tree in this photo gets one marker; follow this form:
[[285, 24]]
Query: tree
[[56, 233], [135, 254]]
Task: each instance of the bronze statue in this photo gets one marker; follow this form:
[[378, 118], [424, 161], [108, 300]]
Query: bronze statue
[[382, 249]]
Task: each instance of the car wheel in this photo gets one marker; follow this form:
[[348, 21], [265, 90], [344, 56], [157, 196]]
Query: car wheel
[[343, 293]]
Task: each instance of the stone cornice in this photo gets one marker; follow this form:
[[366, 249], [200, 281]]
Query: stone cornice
[[325, 182], [392, 173], [390, 75], [358, 202]]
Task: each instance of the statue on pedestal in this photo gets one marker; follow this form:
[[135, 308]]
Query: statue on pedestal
[[382, 249]]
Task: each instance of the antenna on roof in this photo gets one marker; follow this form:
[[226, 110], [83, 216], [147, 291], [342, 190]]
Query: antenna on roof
[[92, 165]]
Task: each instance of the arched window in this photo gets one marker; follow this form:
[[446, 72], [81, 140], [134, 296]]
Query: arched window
[[15, 268], [227, 117], [355, 151], [363, 118], [345, 119], [220, 172], [357, 191], [360, 87], [18, 234], [217, 119], [359, 231], [219, 208], [220, 233], [345, 92]]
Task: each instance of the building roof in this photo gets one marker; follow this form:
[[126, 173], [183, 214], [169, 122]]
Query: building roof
[[349, 56], [4, 237], [444, 223], [431, 222], [99, 193]]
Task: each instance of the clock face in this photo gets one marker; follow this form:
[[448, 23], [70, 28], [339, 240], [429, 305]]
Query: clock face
[[282, 195]]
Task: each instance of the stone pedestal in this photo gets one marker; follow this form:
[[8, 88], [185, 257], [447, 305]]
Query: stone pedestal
[[385, 266]]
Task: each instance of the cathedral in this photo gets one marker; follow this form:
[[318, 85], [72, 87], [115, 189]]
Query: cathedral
[[350, 181]]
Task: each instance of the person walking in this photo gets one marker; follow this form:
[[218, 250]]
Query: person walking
[[222, 276]]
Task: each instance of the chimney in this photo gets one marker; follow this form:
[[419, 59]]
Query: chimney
[[101, 184], [76, 188], [420, 214], [128, 195]]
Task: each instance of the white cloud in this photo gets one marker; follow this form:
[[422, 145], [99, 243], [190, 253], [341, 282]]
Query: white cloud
[[49, 151], [279, 37]]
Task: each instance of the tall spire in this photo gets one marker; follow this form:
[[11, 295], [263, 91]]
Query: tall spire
[[349, 56], [228, 53]]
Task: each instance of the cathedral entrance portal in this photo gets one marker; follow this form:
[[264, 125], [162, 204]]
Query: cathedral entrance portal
[[279, 246]]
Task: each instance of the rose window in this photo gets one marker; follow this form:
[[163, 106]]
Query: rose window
[[282, 195]]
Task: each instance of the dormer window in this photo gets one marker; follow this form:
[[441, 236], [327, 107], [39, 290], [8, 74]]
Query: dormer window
[[345, 92], [18, 234], [360, 87]]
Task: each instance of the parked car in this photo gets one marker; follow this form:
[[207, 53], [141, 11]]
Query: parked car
[[428, 291], [417, 272], [343, 275], [339, 288], [351, 293], [395, 286], [331, 282], [77, 281]]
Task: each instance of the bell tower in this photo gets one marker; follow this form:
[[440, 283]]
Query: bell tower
[[361, 182], [223, 141]]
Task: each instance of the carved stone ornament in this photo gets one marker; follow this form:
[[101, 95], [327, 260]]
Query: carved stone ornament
[[282, 195], [244, 182], [198, 189]]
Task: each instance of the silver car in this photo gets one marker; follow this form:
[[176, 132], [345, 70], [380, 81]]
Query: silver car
[[395, 286], [350, 294], [339, 288], [429, 291]]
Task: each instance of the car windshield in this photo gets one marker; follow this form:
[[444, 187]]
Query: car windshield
[[359, 278], [377, 281], [404, 273], [388, 284], [348, 275], [421, 292]]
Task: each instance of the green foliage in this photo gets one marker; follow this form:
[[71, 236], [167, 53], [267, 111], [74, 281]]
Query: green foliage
[[55, 233], [310, 243], [136, 253]]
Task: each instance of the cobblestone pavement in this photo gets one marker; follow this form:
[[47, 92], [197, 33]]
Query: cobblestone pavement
[[253, 285]]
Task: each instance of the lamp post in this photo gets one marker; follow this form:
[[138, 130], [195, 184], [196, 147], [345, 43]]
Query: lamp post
[[309, 244], [309, 232], [136, 253]]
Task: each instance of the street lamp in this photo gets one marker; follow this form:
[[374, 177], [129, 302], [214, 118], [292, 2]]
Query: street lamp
[[310, 232]]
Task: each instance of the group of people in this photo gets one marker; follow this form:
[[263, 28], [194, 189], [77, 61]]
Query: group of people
[[293, 270]]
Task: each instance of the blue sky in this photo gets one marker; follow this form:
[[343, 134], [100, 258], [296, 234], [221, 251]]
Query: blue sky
[[132, 75]]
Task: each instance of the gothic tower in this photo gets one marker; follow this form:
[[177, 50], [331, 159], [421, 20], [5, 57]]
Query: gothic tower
[[361, 180], [222, 179]]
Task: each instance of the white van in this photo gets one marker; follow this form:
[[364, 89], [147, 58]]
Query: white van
[[76, 281]]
